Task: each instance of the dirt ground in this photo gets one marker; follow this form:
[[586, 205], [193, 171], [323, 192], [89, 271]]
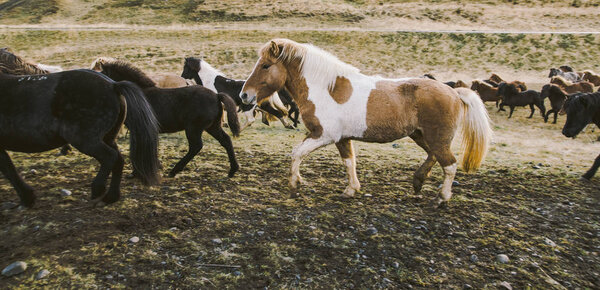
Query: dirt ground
[[528, 191]]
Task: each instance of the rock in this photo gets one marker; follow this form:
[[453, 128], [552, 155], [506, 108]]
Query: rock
[[395, 145], [371, 231], [505, 285], [396, 265], [33, 171], [535, 167], [216, 241], [367, 195], [474, 258], [467, 286], [382, 271], [502, 258], [134, 240], [109, 277], [270, 210], [387, 281], [14, 269], [312, 228], [549, 242], [9, 205], [455, 183], [237, 273], [65, 192], [260, 233], [42, 274]]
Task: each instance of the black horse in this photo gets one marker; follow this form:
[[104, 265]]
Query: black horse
[[199, 70], [81, 108], [557, 98], [513, 97], [194, 109], [582, 109]]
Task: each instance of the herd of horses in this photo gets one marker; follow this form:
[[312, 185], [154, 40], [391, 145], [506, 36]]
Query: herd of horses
[[43, 108]]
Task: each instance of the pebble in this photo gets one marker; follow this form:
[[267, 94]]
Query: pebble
[[270, 210], [549, 242], [534, 167], [474, 258], [455, 183], [216, 241], [65, 192], [382, 271], [367, 195], [467, 286], [9, 205], [505, 285], [108, 277], [134, 240], [502, 258], [395, 145], [14, 269], [371, 231], [396, 265], [237, 273], [312, 228], [33, 171], [260, 233], [42, 274], [387, 281]]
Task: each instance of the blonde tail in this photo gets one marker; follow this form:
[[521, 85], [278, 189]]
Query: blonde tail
[[476, 130]]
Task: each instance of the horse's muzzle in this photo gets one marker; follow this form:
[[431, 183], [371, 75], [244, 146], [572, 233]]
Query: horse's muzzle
[[247, 100]]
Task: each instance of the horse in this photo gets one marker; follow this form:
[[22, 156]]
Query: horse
[[495, 80], [557, 98], [582, 109], [456, 84], [569, 76], [486, 92], [570, 88], [81, 108], [162, 80], [339, 104], [591, 77], [512, 97], [194, 109], [203, 73]]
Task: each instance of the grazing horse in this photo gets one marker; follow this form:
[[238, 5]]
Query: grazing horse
[[203, 73], [591, 77], [81, 108], [486, 92], [194, 109], [569, 76], [513, 97], [582, 109], [557, 98], [339, 104], [571, 88]]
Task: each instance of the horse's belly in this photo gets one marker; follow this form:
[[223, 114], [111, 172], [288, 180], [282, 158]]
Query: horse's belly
[[31, 144]]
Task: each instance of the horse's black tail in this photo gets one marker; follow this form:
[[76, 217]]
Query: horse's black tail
[[144, 129], [231, 108]]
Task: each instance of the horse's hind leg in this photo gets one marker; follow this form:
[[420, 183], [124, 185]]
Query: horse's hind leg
[[114, 190], [555, 115], [24, 191], [225, 141], [347, 153], [425, 168], [107, 156], [194, 137], [590, 173], [532, 111], [547, 115], [440, 148]]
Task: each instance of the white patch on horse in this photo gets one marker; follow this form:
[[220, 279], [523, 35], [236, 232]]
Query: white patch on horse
[[208, 74]]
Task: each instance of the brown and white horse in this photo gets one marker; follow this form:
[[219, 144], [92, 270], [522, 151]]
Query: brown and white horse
[[339, 104]]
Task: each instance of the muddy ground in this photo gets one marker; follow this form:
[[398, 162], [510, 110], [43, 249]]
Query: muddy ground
[[258, 237]]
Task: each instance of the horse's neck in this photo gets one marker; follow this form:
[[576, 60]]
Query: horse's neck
[[208, 74]]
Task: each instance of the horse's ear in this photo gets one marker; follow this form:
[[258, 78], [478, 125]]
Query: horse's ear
[[274, 49]]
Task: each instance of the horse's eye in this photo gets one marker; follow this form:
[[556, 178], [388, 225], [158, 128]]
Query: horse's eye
[[266, 66]]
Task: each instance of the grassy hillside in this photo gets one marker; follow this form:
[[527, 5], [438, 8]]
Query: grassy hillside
[[572, 15]]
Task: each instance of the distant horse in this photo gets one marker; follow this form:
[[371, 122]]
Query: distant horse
[[569, 76], [82, 108], [456, 84], [513, 97], [591, 77], [496, 80], [486, 92], [162, 80], [203, 73], [339, 104], [194, 109], [557, 98], [571, 88], [582, 109]]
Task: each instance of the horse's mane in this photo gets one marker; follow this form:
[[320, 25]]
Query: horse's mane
[[130, 72], [560, 80], [208, 72], [15, 65], [494, 77], [96, 64], [484, 84], [316, 65]]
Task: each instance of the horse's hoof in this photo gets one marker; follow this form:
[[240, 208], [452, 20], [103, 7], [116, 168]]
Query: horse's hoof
[[442, 204], [294, 194], [584, 179], [348, 193]]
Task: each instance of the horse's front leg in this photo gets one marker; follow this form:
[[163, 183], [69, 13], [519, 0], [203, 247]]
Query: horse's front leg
[[249, 119], [347, 153], [309, 144]]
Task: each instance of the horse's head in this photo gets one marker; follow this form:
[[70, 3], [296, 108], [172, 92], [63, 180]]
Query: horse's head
[[269, 75], [191, 68], [475, 85], [579, 114], [553, 72], [98, 62]]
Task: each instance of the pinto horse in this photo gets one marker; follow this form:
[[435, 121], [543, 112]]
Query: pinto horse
[[194, 109], [582, 109], [338, 104], [204, 74], [81, 108]]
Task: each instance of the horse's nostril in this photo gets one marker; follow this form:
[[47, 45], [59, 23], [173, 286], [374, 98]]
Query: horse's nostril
[[244, 96]]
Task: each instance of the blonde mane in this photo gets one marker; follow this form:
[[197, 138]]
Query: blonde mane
[[560, 80], [318, 67]]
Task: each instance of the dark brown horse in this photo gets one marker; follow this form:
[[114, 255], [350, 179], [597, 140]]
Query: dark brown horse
[[194, 109], [557, 98], [339, 104], [82, 108]]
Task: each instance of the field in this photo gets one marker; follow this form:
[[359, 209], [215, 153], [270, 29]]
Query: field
[[204, 230]]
